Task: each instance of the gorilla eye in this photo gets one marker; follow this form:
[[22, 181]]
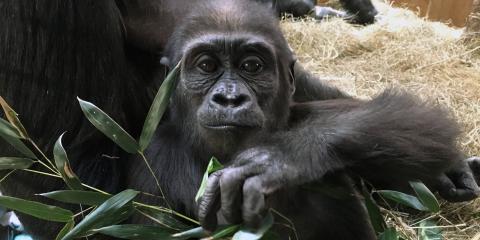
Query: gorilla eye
[[252, 65], [207, 64]]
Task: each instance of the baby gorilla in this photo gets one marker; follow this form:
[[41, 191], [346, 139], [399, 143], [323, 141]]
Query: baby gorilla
[[234, 101]]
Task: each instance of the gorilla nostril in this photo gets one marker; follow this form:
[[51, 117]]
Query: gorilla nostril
[[230, 100], [239, 100], [220, 99]]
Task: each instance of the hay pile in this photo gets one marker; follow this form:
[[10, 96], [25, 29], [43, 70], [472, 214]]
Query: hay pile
[[427, 58]]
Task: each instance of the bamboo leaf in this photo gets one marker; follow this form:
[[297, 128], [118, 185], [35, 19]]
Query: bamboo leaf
[[162, 216], [378, 223], [112, 211], [36, 209], [109, 127], [15, 163], [12, 137], [88, 198], [245, 234], [224, 232], [389, 234], [63, 166], [131, 231], [213, 166], [428, 230], [198, 232], [425, 196], [404, 199], [65, 230], [376, 218], [12, 117], [159, 105]]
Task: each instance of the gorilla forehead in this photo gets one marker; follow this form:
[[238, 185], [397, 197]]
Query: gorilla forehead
[[229, 18], [231, 43]]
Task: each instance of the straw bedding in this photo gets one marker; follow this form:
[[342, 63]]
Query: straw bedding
[[429, 59]]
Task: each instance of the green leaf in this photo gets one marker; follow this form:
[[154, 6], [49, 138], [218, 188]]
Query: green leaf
[[165, 218], [389, 234], [11, 136], [88, 198], [245, 234], [198, 232], [107, 126], [159, 105], [63, 166], [224, 232], [8, 129], [65, 230], [15, 163], [112, 211], [36, 209], [404, 199], [425, 196], [12, 117], [376, 219], [213, 166], [428, 230], [131, 231]]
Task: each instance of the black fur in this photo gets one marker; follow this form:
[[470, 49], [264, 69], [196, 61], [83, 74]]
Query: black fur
[[108, 52], [52, 52], [388, 141], [363, 10]]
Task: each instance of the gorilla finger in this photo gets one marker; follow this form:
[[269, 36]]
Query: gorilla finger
[[445, 187], [449, 191], [467, 181], [474, 164], [254, 208], [463, 195], [231, 184], [230, 187], [210, 202]]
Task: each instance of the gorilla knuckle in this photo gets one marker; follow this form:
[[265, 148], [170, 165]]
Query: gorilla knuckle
[[254, 186], [229, 178]]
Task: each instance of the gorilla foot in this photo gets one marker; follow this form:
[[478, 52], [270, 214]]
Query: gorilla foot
[[364, 18]]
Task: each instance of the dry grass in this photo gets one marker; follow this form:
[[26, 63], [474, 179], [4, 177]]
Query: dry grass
[[429, 59]]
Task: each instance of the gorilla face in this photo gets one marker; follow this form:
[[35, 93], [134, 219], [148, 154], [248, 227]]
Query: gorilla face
[[231, 83]]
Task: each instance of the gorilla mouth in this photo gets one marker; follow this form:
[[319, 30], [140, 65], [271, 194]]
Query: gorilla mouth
[[228, 126]]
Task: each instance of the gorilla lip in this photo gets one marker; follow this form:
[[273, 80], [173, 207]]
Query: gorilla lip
[[227, 126]]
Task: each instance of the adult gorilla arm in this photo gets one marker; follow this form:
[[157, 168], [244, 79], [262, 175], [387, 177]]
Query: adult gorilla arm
[[388, 141]]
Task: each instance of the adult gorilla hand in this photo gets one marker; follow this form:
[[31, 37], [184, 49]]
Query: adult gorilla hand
[[461, 182], [238, 193]]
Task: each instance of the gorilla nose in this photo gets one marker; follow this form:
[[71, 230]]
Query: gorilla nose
[[230, 100]]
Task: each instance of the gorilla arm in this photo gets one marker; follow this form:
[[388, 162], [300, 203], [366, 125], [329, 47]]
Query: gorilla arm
[[458, 183], [390, 140]]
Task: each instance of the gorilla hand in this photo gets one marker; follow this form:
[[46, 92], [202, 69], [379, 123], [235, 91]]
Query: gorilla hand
[[238, 193], [461, 183]]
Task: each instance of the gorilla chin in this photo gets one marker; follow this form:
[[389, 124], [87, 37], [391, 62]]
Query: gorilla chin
[[228, 128]]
